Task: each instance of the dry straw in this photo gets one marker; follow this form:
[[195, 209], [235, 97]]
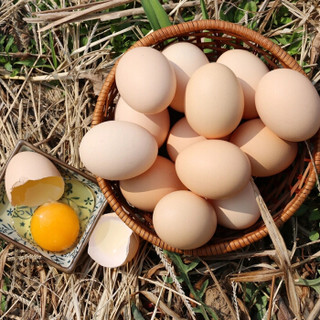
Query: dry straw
[[283, 193]]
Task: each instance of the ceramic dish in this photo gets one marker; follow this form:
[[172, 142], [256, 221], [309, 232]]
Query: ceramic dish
[[81, 192]]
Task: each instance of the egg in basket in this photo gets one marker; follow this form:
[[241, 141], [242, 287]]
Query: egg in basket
[[189, 121]]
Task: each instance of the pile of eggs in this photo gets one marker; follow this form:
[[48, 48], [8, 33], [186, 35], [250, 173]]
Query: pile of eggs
[[238, 120]]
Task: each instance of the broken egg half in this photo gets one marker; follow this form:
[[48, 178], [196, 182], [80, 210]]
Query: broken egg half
[[112, 243], [31, 180]]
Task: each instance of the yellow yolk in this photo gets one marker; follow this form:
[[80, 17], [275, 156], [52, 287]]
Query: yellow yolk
[[55, 226]]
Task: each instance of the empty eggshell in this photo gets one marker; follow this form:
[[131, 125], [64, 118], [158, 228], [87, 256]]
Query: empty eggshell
[[112, 243], [268, 154], [214, 169], [180, 137], [146, 80], [145, 190], [249, 69], [214, 101], [239, 211], [185, 58], [31, 179], [288, 104], [184, 220], [157, 124], [117, 150]]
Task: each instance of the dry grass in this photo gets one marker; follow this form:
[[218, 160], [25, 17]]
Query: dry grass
[[55, 115]]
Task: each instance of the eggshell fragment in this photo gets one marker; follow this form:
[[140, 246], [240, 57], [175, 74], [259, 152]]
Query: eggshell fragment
[[112, 243], [249, 69], [214, 101], [268, 154], [239, 211], [145, 190], [185, 58], [180, 137], [184, 220], [288, 104], [157, 124], [146, 80], [117, 150], [214, 169], [31, 179]]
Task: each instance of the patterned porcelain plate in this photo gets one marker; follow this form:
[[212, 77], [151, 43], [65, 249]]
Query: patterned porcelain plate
[[81, 193]]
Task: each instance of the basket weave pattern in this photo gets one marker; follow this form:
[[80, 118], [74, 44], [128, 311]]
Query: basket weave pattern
[[283, 193]]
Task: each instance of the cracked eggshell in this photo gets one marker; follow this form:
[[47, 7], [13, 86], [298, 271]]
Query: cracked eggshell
[[112, 243], [31, 180]]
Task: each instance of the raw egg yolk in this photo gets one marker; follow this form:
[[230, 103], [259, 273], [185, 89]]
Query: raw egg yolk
[[55, 226]]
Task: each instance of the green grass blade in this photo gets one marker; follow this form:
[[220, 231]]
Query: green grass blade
[[160, 13], [54, 57], [204, 11], [148, 9], [136, 313]]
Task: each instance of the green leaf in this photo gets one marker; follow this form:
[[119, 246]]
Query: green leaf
[[4, 305], [8, 66], [3, 60], [53, 52], [302, 210], [204, 11], [161, 15], [183, 270], [136, 313], [314, 235], [151, 15], [314, 283], [14, 72], [156, 15], [315, 215], [9, 44], [203, 288], [28, 62]]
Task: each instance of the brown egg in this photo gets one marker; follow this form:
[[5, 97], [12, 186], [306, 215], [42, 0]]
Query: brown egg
[[117, 150], [185, 58], [146, 80], [145, 190], [180, 137], [288, 104], [213, 169], [249, 69], [157, 124], [184, 220], [239, 211], [214, 101], [268, 154]]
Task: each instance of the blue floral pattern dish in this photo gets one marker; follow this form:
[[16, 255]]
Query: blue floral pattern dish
[[81, 193]]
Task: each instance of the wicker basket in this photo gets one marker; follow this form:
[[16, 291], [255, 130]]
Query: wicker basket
[[283, 193]]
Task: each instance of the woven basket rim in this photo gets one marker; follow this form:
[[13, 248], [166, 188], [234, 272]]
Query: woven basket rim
[[182, 29]]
